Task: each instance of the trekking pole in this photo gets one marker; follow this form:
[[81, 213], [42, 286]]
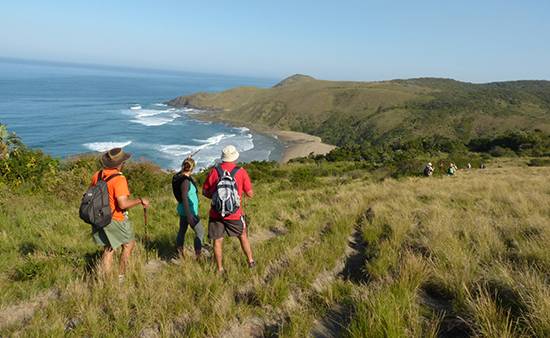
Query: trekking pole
[[194, 153], [245, 216], [146, 235]]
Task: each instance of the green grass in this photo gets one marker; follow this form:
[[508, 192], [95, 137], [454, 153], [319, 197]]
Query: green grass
[[429, 251]]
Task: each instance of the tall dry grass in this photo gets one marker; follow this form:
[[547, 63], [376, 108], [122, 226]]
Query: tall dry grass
[[464, 253]]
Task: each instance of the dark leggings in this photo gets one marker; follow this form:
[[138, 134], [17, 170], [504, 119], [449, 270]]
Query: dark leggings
[[199, 234]]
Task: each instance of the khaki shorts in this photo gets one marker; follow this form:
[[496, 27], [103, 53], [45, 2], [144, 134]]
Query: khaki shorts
[[220, 228], [115, 234]]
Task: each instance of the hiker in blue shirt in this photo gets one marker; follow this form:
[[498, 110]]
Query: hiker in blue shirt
[[185, 191]]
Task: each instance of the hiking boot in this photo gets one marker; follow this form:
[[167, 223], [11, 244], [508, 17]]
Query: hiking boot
[[251, 265]]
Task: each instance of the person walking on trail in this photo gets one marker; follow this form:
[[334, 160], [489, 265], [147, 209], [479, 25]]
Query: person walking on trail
[[452, 169], [428, 170], [225, 185], [119, 232], [185, 191]]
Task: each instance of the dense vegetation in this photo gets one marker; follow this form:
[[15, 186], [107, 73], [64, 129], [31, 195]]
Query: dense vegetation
[[408, 157], [346, 113], [355, 253]]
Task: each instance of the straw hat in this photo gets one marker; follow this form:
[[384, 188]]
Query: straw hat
[[230, 154], [114, 157]]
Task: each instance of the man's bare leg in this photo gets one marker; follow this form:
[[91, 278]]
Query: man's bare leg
[[106, 260], [218, 245], [125, 256], [245, 245]]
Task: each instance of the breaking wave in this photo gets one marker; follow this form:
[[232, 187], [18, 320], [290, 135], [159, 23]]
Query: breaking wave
[[104, 146]]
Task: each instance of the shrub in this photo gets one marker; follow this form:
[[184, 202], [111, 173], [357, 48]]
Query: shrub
[[146, 178], [539, 162], [499, 151], [264, 171], [20, 165], [303, 178]]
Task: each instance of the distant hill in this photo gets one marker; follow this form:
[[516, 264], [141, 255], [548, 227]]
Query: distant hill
[[343, 112]]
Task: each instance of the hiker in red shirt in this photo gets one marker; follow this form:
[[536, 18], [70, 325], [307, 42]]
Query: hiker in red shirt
[[225, 185]]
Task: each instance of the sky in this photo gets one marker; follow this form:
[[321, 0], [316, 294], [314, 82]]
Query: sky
[[469, 40]]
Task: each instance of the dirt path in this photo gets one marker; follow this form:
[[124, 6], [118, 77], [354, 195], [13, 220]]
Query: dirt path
[[254, 326], [24, 311], [351, 268]]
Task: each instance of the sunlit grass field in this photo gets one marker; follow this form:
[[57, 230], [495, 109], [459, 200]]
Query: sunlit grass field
[[344, 254]]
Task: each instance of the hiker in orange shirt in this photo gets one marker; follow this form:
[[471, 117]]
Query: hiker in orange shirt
[[119, 232]]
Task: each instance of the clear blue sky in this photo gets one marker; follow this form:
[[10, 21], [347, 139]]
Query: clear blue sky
[[472, 40]]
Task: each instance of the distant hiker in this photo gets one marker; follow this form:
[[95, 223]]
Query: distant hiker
[[428, 170], [118, 231], [225, 185], [185, 191], [469, 166], [452, 169]]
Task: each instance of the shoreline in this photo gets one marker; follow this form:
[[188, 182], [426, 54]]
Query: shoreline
[[295, 144], [299, 144]]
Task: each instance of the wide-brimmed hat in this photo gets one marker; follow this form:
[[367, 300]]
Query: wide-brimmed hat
[[114, 157], [230, 154]]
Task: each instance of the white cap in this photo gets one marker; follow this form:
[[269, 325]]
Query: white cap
[[230, 154]]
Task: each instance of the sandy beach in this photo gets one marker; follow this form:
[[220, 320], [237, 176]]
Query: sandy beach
[[296, 144], [300, 144]]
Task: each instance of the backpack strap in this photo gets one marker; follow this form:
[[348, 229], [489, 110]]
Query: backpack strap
[[112, 176], [193, 182], [234, 171], [188, 178], [100, 176], [220, 171]]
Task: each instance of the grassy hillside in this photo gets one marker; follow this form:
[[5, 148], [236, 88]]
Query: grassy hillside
[[353, 254], [350, 112]]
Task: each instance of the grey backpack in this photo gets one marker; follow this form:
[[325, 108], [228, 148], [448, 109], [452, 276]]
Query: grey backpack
[[226, 200], [95, 208]]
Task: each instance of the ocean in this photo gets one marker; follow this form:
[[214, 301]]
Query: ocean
[[66, 110]]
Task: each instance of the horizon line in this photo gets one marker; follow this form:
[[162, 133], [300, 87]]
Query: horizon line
[[116, 67], [168, 71]]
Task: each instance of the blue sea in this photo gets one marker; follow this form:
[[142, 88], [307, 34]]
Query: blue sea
[[71, 109]]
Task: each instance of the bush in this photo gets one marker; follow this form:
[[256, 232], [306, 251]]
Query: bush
[[531, 143], [303, 178], [413, 167], [22, 165], [499, 151], [539, 162], [264, 171], [146, 178]]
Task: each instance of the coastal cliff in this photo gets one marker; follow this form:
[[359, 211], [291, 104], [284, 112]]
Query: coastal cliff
[[346, 112]]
